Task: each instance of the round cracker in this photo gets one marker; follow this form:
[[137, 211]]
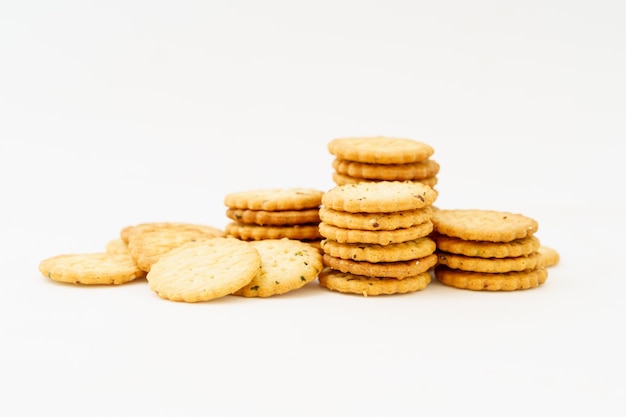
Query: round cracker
[[380, 149], [484, 281], [371, 286], [375, 221], [380, 237], [379, 197], [91, 268], [286, 265], [470, 263], [387, 172], [370, 252], [274, 199], [483, 225], [397, 269], [203, 271]]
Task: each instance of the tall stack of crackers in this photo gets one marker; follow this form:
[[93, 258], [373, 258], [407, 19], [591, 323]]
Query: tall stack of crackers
[[374, 159], [376, 233]]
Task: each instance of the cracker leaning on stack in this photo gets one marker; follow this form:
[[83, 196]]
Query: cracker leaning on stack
[[488, 250], [376, 237], [274, 213], [381, 158]]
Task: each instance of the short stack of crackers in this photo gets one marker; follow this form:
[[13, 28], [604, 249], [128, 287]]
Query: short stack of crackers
[[380, 158], [488, 250], [274, 213]]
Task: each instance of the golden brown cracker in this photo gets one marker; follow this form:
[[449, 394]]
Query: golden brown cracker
[[483, 249], [205, 270], [380, 149], [387, 172], [341, 179], [368, 252], [380, 237], [252, 232], [377, 197], [274, 199], [375, 221], [492, 265], [397, 269], [274, 218], [483, 225], [91, 268], [549, 256], [286, 265], [371, 286], [483, 281]]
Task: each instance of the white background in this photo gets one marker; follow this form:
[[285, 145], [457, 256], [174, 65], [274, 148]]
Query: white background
[[114, 113]]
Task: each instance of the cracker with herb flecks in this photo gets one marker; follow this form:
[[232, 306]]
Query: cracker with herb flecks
[[371, 286], [286, 265], [380, 149], [342, 179], [380, 237], [375, 221], [484, 281], [396, 269], [91, 268], [371, 252], [387, 172], [274, 199], [274, 218]]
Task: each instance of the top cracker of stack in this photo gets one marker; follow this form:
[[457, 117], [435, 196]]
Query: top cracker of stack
[[380, 158]]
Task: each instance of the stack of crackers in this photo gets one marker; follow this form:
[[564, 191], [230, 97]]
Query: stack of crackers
[[488, 250], [376, 237], [274, 213], [380, 158]]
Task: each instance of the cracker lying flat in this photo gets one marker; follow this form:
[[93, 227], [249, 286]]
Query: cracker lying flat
[[129, 231], [483, 225], [397, 269], [379, 197], [380, 237], [483, 281], [251, 232], [369, 252], [367, 286], [91, 268], [274, 218], [274, 199], [342, 179], [205, 270], [549, 256], [387, 172], [286, 265], [380, 150], [148, 246], [470, 263], [375, 221], [517, 247]]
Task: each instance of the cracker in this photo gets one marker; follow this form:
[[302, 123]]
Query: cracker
[[203, 271], [368, 286], [117, 246], [368, 252], [469, 263], [91, 268], [377, 197], [483, 281], [375, 221], [129, 231], [380, 150], [147, 247], [379, 237], [397, 269], [275, 199], [387, 172], [483, 225], [549, 256], [274, 218], [517, 247], [252, 232], [341, 179], [286, 265]]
